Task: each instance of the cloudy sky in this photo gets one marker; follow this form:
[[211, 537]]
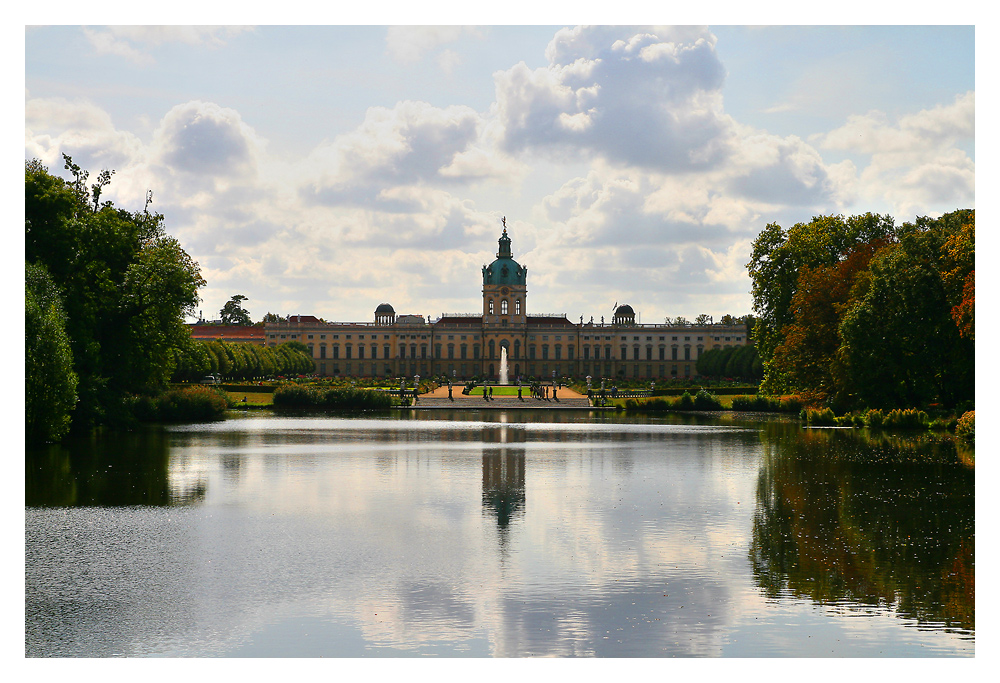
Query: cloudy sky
[[324, 170]]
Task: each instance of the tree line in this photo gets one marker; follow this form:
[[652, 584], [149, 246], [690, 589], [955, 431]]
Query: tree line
[[239, 360], [106, 292], [861, 313], [740, 362]]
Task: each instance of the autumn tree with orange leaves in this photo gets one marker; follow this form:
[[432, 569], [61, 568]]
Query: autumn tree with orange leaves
[[857, 312]]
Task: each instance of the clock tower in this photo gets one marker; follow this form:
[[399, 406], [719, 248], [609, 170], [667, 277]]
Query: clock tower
[[504, 288]]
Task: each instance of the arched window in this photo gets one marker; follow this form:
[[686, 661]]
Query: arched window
[[503, 307], [491, 306], [517, 307]]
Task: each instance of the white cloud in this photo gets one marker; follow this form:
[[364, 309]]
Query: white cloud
[[77, 127], [645, 97], [410, 144], [408, 44], [204, 139], [131, 41], [914, 162]]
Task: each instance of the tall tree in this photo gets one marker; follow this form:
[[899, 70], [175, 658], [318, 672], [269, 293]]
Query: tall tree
[[901, 346], [776, 259], [233, 313], [807, 354], [49, 380], [126, 286]]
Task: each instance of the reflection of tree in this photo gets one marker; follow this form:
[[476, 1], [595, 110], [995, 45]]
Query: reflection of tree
[[503, 485], [109, 470], [876, 522]]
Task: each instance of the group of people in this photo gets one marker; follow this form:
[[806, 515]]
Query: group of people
[[541, 392], [537, 391]]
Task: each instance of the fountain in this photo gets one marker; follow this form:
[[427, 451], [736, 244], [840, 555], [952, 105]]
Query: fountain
[[503, 365]]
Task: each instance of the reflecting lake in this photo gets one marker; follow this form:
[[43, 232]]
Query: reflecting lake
[[500, 535]]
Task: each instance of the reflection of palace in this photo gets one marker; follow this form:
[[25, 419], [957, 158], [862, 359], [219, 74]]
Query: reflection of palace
[[467, 345], [503, 484]]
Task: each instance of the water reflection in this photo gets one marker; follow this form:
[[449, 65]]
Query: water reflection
[[355, 537], [111, 470], [503, 485], [887, 521]]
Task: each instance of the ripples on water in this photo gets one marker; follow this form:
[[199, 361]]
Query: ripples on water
[[521, 536]]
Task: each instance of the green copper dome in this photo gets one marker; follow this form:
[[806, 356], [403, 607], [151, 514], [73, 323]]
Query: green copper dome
[[505, 270]]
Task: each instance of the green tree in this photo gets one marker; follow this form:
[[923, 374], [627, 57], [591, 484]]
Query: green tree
[[126, 287], [900, 345], [807, 354], [233, 313], [776, 259], [49, 380]]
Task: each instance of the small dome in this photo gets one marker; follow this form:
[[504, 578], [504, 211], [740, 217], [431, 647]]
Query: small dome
[[624, 315], [385, 309]]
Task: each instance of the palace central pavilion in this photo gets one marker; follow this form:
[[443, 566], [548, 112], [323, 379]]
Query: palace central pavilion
[[463, 346]]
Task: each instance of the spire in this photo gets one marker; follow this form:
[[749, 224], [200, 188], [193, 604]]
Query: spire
[[504, 242]]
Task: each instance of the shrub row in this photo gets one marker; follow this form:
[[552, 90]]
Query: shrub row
[[767, 404], [898, 419], [341, 398], [190, 404], [703, 400]]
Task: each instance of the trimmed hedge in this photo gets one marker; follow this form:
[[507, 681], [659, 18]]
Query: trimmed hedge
[[702, 401], [340, 398], [767, 404], [190, 404]]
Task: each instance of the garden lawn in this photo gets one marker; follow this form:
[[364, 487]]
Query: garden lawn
[[254, 399], [498, 391]]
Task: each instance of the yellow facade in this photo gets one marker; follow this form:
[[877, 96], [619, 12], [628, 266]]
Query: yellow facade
[[540, 347]]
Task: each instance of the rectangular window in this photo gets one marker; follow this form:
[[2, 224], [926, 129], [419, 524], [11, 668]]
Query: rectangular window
[[673, 354], [687, 353], [635, 353], [361, 351]]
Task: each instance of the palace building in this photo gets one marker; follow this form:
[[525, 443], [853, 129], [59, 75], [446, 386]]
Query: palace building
[[467, 345]]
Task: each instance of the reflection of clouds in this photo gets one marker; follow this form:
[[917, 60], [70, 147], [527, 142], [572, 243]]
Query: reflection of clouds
[[580, 532], [365, 536]]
